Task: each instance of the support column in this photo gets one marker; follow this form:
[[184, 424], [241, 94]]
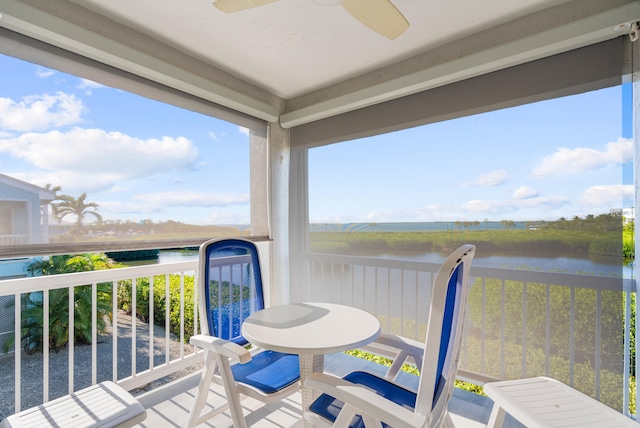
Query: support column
[[635, 85], [44, 212], [279, 166], [299, 223]]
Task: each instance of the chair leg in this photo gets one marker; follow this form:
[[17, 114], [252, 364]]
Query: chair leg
[[497, 417], [447, 422], [203, 391], [230, 390]]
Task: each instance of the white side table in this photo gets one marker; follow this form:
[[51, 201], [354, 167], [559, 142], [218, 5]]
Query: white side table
[[545, 402], [102, 405]]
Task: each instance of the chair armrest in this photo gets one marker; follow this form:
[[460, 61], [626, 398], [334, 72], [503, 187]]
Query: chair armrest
[[223, 347], [366, 400], [412, 347], [399, 349]]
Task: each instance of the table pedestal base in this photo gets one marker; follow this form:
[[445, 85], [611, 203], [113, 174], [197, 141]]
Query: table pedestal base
[[309, 363]]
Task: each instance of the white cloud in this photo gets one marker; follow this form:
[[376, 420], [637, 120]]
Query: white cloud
[[426, 213], [193, 199], [161, 204], [217, 217], [243, 130], [548, 203], [43, 73], [606, 196], [118, 189], [524, 192], [92, 159], [213, 136], [530, 208], [40, 112], [485, 207], [582, 159], [86, 83], [490, 179]]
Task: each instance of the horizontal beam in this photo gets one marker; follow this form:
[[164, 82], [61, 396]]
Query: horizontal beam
[[35, 23], [574, 35]]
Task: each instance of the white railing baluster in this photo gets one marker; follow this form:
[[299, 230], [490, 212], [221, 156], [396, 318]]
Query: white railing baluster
[[182, 315], [94, 333], [598, 345], [503, 322], [196, 296], [547, 330], [114, 331], [151, 318], [45, 346], [483, 321], [72, 337], [17, 346], [524, 330], [402, 332], [134, 332], [572, 333], [167, 318], [627, 350]]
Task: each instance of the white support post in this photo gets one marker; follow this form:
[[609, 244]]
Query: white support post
[[635, 76], [279, 166]]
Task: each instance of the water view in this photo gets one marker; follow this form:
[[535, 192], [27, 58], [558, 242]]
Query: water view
[[601, 266]]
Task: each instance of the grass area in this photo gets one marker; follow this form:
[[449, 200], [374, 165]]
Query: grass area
[[467, 386], [569, 242]]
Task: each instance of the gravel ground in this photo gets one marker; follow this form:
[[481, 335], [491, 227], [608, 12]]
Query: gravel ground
[[32, 365]]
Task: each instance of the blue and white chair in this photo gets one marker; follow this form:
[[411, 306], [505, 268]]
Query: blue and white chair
[[364, 399], [230, 289]]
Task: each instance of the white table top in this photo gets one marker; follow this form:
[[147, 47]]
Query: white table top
[[544, 402], [311, 328]]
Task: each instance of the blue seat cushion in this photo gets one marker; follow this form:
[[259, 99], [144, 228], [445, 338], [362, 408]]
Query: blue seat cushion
[[329, 407], [269, 371]]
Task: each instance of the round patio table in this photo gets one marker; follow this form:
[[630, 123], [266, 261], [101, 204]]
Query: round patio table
[[310, 330]]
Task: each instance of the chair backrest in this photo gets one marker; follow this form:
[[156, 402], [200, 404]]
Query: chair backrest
[[230, 287], [444, 333]]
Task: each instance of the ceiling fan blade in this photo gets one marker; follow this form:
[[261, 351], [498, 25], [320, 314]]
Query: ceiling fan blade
[[228, 6], [379, 15]]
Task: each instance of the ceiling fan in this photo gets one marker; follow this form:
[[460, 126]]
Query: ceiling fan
[[379, 15]]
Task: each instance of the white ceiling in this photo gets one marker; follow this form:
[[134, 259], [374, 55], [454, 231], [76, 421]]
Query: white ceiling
[[292, 47], [297, 61]]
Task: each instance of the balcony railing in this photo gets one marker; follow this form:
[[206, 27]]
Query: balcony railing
[[14, 240], [520, 323], [163, 358]]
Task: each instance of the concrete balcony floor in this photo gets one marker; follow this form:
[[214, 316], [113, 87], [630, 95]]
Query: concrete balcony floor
[[169, 405]]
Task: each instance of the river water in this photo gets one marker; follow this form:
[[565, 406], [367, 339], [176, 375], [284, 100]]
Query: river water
[[602, 266]]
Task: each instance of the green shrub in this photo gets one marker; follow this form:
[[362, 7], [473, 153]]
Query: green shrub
[[159, 301], [467, 386], [32, 310]]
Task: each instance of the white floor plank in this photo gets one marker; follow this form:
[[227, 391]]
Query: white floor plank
[[169, 405]]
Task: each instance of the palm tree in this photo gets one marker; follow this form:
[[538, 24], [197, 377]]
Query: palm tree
[[54, 189], [66, 205]]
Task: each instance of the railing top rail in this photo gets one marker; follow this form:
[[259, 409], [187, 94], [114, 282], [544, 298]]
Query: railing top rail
[[50, 282], [31, 250], [529, 276]]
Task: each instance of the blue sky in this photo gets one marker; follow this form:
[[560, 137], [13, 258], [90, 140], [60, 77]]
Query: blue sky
[[139, 158], [143, 159], [541, 161]]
